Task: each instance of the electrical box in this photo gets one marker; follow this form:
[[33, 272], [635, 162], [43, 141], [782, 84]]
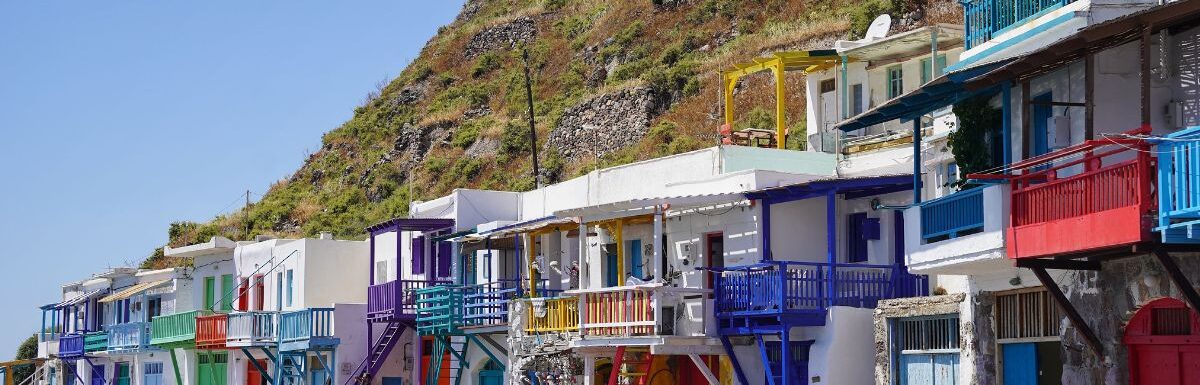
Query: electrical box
[[870, 228], [1060, 130]]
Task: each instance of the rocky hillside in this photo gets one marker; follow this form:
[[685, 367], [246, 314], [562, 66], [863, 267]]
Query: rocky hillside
[[613, 82]]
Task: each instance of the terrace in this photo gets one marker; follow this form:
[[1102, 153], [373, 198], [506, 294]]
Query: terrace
[[987, 19], [629, 311], [960, 233], [129, 337], [801, 292], [395, 300], [550, 315], [306, 329], [175, 330], [211, 331]]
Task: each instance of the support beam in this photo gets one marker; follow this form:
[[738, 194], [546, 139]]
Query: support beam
[[472, 338], [450, 347], [780, 104], [785, 350], [1025, 119], [324, 365], [1178, 278], [269, 355], [257, 366], [1059, 264], [589, 363], [1089, 94], [1006, 122], [175, 367], [830, 249], [704, 369], [916, 127], [1065, 305], [766, 360], [733, 361]]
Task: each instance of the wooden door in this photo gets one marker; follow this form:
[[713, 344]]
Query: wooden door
[[1164, 344], [253, 377], [1020, 363], [122, 373], [97, 375], [929, 369]]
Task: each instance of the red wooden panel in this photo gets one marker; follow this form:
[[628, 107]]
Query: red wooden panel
[[1117, 227], [210, 331]]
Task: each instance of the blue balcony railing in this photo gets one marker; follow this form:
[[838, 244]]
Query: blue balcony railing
[[306, 328], [1179, 187], [804, 288], [985, 19], [129, 336], [71, 346], [488, 304], [953, 215]]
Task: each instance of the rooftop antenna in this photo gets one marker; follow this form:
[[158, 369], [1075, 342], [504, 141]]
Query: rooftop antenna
[[879, 29]]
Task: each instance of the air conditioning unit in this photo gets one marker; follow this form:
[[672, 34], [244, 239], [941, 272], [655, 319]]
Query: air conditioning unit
[[1060, 130]]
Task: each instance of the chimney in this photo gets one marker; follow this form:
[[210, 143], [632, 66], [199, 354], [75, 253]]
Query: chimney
[[326, 235]]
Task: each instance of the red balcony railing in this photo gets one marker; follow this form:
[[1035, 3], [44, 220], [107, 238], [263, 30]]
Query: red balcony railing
[[1090, 196], [210, 331]]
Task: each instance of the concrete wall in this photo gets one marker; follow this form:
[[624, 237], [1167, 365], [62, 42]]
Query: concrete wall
[[215, 266], [842, 347], [981, 252]]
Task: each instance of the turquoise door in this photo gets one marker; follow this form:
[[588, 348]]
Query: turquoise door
[[490, 377], [635, 258], [1020, 363], [929, 369]]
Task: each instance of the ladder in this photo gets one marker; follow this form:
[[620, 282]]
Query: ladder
[[379, 352], [639, 359]]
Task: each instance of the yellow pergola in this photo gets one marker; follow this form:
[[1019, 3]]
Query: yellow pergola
[[777, 63], [7, 368]]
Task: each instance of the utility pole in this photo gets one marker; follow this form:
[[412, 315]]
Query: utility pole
[[246, 214], [537, 178]]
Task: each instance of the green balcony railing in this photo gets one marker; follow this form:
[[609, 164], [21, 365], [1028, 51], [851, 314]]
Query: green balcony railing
[[178, 328]]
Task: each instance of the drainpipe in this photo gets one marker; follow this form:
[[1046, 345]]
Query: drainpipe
[[933, 57], [916, 160], [845, 91]]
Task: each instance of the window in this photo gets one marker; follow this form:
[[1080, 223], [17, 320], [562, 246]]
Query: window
[[1171, 321], [154, 307], [210, 292], [1027, 335], [856, 94], [951, 174], [444, 256], [122, 373], [926, 349], [260, 291], [1027, 314], [418, 255], [279, 291], [926, 74], [153, 373], [381, 272], [857, 235], [828, 86], [227, 292], [291, 286], [895, 81]]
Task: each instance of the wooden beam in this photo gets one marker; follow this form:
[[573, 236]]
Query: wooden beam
[[1065, 305], [1178, 278], [1089, 94], [1058, 104], [1145, 75], [1059, 264]]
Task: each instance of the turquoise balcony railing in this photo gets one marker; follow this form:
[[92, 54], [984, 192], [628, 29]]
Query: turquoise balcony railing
[[439, 309], [95, 342], [486, 305], [985, 19], [1179, 187], [953, 215], [308, 328], [129, 336]]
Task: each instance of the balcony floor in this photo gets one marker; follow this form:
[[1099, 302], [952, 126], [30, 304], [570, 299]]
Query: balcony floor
[[315, 343], [659, 345], [746, 323]]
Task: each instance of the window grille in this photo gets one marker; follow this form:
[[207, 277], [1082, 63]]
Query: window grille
[[1170, 322], [920, 335], [1030, 314]]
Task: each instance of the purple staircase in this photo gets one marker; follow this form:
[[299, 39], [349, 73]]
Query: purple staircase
[[379, 353]]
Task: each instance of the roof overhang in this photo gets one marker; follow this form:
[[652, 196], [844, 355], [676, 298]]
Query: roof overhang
[[943, 91], [856, 187], [914, 42], [133, 290], [643, 206], [74, 301], [213, 246], [411, 224]]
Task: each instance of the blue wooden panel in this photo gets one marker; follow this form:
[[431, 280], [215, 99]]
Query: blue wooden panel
[[97, 374], [1020, 364], [928, 369], [945, 368], [490, 377], [393, 381], [635, 258]]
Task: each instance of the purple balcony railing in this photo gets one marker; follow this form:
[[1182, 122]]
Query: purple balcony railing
[[395, 300]]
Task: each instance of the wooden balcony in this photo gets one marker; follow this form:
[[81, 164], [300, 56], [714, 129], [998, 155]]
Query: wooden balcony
[[551, 315], [625, 311], [175, 330], [1179, 187], [1087, 197], [71, 346], [210, 331], [394, 300], [439, 309], [307, 329], [95, 342], [772, 294], [952, 216], [251, 329], [985, 19], [129, 337]]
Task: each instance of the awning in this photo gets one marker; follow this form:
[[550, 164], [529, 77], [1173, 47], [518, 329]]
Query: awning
[[634, 207], [530, 226], [854, 187], [411, 224], [943, 91], [132, 291], [453, 236], [78, 299]]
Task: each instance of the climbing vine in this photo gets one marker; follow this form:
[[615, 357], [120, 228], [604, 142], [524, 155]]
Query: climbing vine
[[978, 122]]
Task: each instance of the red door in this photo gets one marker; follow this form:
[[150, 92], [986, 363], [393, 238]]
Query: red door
[[1164, 344], [253, 377]]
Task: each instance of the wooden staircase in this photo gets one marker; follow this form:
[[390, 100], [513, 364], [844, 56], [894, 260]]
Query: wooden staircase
[[379, 352], [638, 358], [457, 347]]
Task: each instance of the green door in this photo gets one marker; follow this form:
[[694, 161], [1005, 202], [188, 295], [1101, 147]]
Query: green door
[[211, 368], [227, 292], [210, 292], [122, 373]]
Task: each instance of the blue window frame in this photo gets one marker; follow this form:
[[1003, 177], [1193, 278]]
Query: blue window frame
[[291, 287], [635, 258], [153, 372], [856, 93]]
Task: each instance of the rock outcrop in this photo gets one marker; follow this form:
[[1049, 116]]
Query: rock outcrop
[[604, 123], [503, 36]]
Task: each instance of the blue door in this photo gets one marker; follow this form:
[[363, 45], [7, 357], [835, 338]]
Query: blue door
[[490, 377], [611, 276], [1020, 363], [635, 258], [393, 381], [1041, 125], [97, 374]]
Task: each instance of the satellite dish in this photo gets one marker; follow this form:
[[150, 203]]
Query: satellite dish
[[879, 27]]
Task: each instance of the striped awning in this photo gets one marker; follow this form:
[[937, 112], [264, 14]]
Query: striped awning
[[132, 291], [78, 299]]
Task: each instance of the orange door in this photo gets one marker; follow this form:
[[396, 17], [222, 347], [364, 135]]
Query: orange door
[[253, 377], [427, 358]]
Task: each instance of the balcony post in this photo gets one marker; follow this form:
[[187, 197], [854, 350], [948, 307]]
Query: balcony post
[[766, 229], [658, 268], [916, 159], [531, 240], [1006, 122], [831, 242], [584, 260]]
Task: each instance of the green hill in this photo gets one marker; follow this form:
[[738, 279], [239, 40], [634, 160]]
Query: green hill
[[613, 82]]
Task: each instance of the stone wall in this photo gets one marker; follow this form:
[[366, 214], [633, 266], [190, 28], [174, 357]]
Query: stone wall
[[908, 307], [604, 123], [504, 36], [1107, 300]]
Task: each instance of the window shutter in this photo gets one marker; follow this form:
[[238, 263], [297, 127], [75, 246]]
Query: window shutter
[[444, 259], [418, 255]]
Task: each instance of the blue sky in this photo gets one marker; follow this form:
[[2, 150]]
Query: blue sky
[[118, 118]]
